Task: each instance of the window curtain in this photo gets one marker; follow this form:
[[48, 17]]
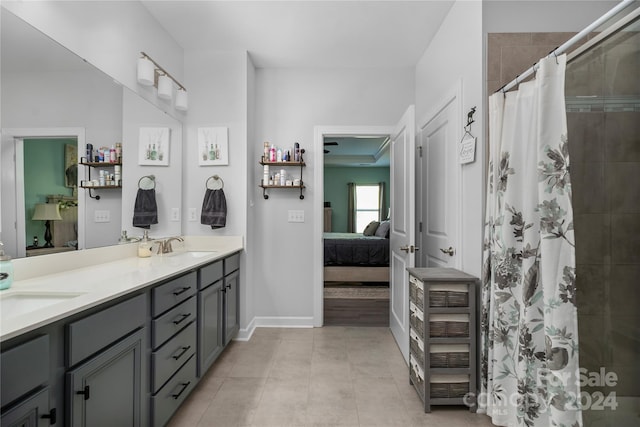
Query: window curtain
[[351, 207], [382, 204], [529, 328]]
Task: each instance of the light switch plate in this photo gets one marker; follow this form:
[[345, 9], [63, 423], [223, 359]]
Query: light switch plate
[[101, 216], [296, 216], [175, 214], [193, 214]]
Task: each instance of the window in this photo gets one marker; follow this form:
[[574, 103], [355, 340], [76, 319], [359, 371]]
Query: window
[[367, 205]]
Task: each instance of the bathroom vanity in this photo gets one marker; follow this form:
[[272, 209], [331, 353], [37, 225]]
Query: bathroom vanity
[[121, 342]]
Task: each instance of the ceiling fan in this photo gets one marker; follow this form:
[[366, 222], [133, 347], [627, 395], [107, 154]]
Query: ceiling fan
[[329, 143]]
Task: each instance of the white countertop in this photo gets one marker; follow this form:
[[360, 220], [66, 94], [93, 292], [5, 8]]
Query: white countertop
[[51, 287]]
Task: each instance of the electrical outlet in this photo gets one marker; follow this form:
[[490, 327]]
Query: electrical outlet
[[193, 214], [296, 216], [101, 216], [175, 214]]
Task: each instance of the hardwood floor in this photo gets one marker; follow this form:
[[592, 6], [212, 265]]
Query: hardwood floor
[[349, 304]]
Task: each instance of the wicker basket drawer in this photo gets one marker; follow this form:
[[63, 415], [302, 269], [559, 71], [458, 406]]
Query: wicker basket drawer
[[416, 347], [449, 356], [449, 295], [448, 386], [449, 325], [416, 292], [417, 376], [416, 319]]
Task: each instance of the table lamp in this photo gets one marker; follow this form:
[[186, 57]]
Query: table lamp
[[47, 212]]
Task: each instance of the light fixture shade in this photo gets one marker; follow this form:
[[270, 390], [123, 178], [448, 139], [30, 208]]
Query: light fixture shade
[[146, 72], [165, 87], [182, 100], [46, 212]]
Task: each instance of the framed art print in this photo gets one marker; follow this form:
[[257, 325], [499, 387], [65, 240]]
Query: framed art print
[[213, 146], [153, 146]]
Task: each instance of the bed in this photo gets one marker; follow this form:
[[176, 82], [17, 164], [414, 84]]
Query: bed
[[355, 257]]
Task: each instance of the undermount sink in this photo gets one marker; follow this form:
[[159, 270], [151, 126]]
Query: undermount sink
[[191, 254], [17, 303]]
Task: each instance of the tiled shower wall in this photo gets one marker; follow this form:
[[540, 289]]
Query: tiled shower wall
[[604, 145]]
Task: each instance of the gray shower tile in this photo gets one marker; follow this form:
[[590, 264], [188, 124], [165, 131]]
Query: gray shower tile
[[591, 283], [628, 384], [509, 39], [624, 343], [591, 333], [493, 61], [551, 39], [588, 188], [520, 58], [622, 68], [586, 135], [586, 76], [622, 136], [593, 238], [622, 179], [625, 237], [624, 290]]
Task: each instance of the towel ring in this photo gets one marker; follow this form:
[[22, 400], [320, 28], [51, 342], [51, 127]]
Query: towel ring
[[215, 183], [147, 182]]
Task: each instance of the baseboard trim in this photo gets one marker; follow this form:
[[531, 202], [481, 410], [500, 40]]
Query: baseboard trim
[[283, 322], [245, 334]]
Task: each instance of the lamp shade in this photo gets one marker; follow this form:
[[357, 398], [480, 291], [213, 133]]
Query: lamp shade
[[182, 100], [46, 212], [146, 72], [165, 87]]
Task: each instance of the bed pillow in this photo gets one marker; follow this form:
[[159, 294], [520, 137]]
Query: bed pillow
[[383, 229], [371, 228]]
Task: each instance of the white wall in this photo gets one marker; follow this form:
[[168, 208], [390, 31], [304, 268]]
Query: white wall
[[289, 104], [454, 56], [107, 34]]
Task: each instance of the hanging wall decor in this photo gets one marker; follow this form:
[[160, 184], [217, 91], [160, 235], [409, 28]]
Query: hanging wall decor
[[213, 146], [153, 146]]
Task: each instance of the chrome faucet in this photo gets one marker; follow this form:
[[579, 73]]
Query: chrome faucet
[[164, 246]]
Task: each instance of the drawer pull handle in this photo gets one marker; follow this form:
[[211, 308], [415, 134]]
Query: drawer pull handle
[[184, 350], [184, 387], [228, 286], [182, 318], [51, 416], [182, 290], [84, 392]]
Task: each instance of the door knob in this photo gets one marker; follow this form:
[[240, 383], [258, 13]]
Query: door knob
[[404, 248], [409, 249], [449, 251]]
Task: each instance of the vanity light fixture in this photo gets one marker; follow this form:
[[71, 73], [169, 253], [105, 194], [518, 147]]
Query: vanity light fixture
[[150, 73]]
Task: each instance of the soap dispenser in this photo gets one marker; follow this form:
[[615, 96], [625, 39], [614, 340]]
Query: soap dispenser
[[145, 247], [6, 269]]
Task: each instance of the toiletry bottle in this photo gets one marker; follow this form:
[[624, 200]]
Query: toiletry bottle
[[145, 247], [118, 152], [265, 156], [6, 269], [279, 155], [272, 153], [112, 154]]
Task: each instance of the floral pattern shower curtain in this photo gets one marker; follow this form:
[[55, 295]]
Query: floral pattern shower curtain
[[529, 327]]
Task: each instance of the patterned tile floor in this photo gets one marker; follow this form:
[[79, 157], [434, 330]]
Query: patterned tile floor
[[331, 376]]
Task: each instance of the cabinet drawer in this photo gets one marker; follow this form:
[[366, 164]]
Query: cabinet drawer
[[444, 386], [210, 274], [24, 368], [173, 321], [416, 319], [231, 264], [171, 396], [449, 325], [416, 292], [30, 412], [166, 361], [173, 292], [417, 376], [416, 346], [93, 333], [449, 295]]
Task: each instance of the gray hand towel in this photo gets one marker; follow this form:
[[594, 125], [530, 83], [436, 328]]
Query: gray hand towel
[[145, 209], [214, 209]]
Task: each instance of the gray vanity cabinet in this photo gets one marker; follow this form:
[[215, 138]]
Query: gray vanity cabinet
[[209, 326], [106, 356], [31, 412], [107, 390], [231, 312]]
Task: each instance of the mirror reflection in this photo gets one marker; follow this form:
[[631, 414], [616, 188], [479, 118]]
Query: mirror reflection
[[53, 105]]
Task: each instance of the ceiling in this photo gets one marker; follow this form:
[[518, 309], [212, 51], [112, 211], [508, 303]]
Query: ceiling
[[348, 34], [357, 151]]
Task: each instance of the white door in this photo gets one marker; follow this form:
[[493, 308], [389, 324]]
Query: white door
[[402, 255], [440, 192]]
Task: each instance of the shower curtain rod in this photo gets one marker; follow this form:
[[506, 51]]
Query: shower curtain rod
[[566, 45]]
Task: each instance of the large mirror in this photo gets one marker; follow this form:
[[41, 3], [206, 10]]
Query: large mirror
[[54, 104]]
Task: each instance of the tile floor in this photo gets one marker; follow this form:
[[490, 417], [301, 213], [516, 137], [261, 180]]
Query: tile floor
[[331, 376]]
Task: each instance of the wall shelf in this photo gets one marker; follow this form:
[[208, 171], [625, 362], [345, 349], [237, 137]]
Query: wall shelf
[[301, 164], [92, 165]]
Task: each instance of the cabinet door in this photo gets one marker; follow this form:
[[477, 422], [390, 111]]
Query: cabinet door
[[107, 389], [32, 412], [231, 319], [209, 326]]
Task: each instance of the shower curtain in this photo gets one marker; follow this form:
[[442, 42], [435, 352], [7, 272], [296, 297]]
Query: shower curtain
[[529, 327]]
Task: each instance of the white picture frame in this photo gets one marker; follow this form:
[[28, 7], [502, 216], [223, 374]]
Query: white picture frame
[[213, 146], [153, 146]]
